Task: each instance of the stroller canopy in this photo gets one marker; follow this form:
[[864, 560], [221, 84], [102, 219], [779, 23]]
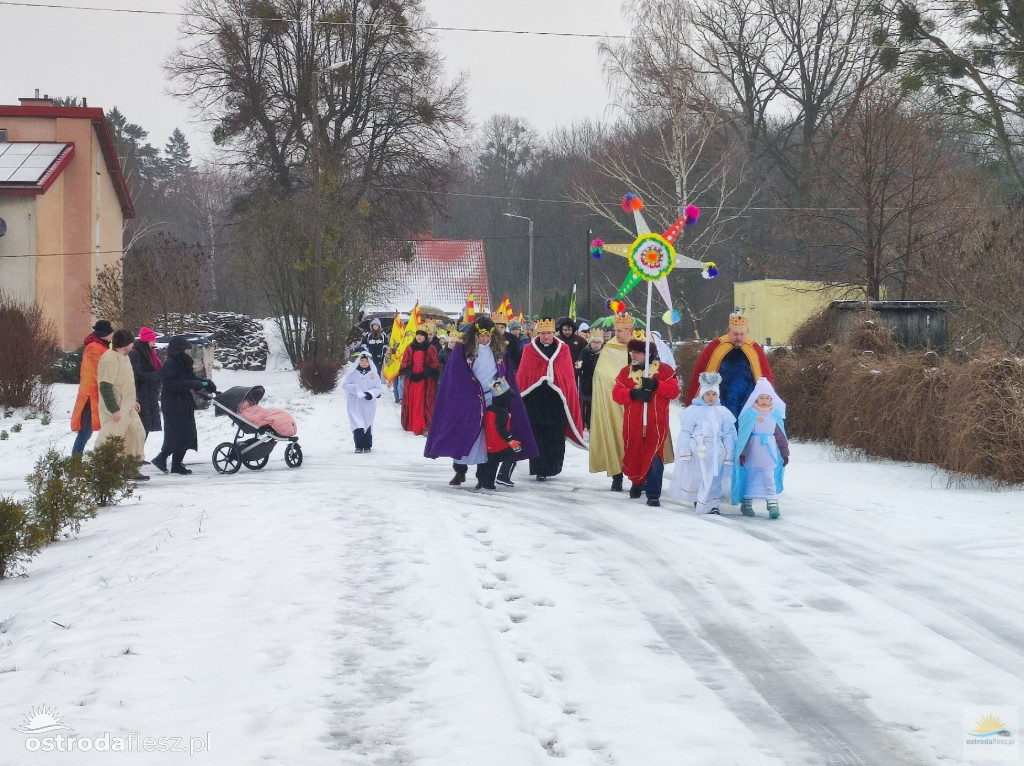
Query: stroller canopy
[[234, 396]]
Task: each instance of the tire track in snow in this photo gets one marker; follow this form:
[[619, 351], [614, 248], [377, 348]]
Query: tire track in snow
[[761, 672]]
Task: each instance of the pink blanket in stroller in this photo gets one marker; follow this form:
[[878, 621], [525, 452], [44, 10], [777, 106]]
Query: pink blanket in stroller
[[282, 423]]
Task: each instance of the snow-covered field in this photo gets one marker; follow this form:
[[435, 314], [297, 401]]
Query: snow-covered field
[[358, 610]]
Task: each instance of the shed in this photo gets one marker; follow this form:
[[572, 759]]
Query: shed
[[917, 325]]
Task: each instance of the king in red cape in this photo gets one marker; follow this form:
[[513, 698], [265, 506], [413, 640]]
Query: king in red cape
[[547, 380]]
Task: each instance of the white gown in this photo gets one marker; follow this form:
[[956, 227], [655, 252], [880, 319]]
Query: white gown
[[708, 432], [362, 411]]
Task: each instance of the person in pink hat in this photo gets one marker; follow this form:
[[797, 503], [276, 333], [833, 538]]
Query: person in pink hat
[[146, 365]]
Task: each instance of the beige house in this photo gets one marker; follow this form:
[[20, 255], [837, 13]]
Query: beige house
[[63, 202], [776, 307]]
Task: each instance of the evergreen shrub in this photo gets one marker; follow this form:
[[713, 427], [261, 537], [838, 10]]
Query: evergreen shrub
[[61, 493], [110, 472], [20, 537]]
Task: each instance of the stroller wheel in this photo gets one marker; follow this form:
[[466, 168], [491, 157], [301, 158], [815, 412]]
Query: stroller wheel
[[293, 455], [255, 465], [226, 458]]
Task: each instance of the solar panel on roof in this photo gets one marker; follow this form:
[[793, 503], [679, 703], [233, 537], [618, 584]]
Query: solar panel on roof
[[27, 162]]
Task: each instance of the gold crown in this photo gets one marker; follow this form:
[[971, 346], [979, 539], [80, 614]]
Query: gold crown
[[430, 326], [738, 320], [545, 325], [499, 317], [623, 320], [640, 335]]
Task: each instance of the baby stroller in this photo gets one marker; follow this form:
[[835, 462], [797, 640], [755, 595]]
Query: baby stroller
[[252, 452]]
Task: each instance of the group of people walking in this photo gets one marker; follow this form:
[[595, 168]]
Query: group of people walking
[[126, 390], [501, 398]]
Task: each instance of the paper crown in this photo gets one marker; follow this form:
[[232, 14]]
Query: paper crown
[[430, 326], [623, 320], [738, 320], [499, 386], [545, 325], [640, 335], [499, 317]]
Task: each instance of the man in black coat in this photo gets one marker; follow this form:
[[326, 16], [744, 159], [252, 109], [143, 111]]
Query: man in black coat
[[179, 381]]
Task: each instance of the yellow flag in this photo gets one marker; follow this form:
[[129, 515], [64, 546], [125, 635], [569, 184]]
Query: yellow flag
[[408, 336]]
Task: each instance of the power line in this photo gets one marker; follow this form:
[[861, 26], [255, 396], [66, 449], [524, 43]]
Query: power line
[[354, 24], [964, 50]]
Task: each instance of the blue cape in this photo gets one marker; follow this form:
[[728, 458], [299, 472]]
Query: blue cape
[[739, 474]]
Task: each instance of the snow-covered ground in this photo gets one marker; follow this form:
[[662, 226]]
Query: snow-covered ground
[[358, 610]]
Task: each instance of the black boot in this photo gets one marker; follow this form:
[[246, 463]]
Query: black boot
[[617, 482], [160, 462], [177, 467], [636, 490]]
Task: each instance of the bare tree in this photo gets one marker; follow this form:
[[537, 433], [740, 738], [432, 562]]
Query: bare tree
[[677, 144], [895, 193], [792, 69]]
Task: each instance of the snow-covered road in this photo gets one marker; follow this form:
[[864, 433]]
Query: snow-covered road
[[358, 610]]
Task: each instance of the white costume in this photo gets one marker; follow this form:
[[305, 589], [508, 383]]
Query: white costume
[[707, 440], [357, 384]]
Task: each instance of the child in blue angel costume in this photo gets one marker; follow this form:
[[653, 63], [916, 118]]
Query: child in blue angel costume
[[762, 450]]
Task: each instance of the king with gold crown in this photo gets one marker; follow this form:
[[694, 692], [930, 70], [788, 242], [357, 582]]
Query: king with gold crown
[[740, 361]]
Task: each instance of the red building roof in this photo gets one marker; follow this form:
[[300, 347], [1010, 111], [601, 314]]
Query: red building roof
[[442, 273], [103, 136]]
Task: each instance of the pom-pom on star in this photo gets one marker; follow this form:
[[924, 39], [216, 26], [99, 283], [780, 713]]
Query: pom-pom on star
[[710, 270], [597, 249], [615, 306], [691, 214], [632, 203]]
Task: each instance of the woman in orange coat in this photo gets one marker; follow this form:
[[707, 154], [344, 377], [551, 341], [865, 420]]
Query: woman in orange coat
[[86, 414]]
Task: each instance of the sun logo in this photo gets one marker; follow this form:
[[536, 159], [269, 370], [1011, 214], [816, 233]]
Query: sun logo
[[990, 726], [42, 720]]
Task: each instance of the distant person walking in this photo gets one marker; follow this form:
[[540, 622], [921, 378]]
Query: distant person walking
[[118, 408], [146, 366], [86, 412], [179, 381]]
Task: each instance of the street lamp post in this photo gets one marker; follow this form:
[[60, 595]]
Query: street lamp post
[[529, 275], [318, 225]]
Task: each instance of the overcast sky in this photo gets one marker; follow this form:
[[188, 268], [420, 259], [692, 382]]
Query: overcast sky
[[116, 58]]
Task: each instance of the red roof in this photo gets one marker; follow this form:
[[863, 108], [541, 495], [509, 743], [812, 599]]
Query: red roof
[[103, 136], [442, 274]]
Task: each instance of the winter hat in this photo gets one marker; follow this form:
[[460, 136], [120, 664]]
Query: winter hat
[[103, 328], [641, 346], [764, 386], [584, 327], [177, 345], [146, 334], [709, 381], [421, 331], [515, 324], [375, 323]]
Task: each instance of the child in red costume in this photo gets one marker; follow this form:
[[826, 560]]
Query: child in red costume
[[498, 433], [647, 443]]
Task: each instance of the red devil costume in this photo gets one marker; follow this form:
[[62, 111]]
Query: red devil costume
[[646, 453], [547, 380], [421, 369]]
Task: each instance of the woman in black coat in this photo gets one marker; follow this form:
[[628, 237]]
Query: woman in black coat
[[147, 366], [179, 381]]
